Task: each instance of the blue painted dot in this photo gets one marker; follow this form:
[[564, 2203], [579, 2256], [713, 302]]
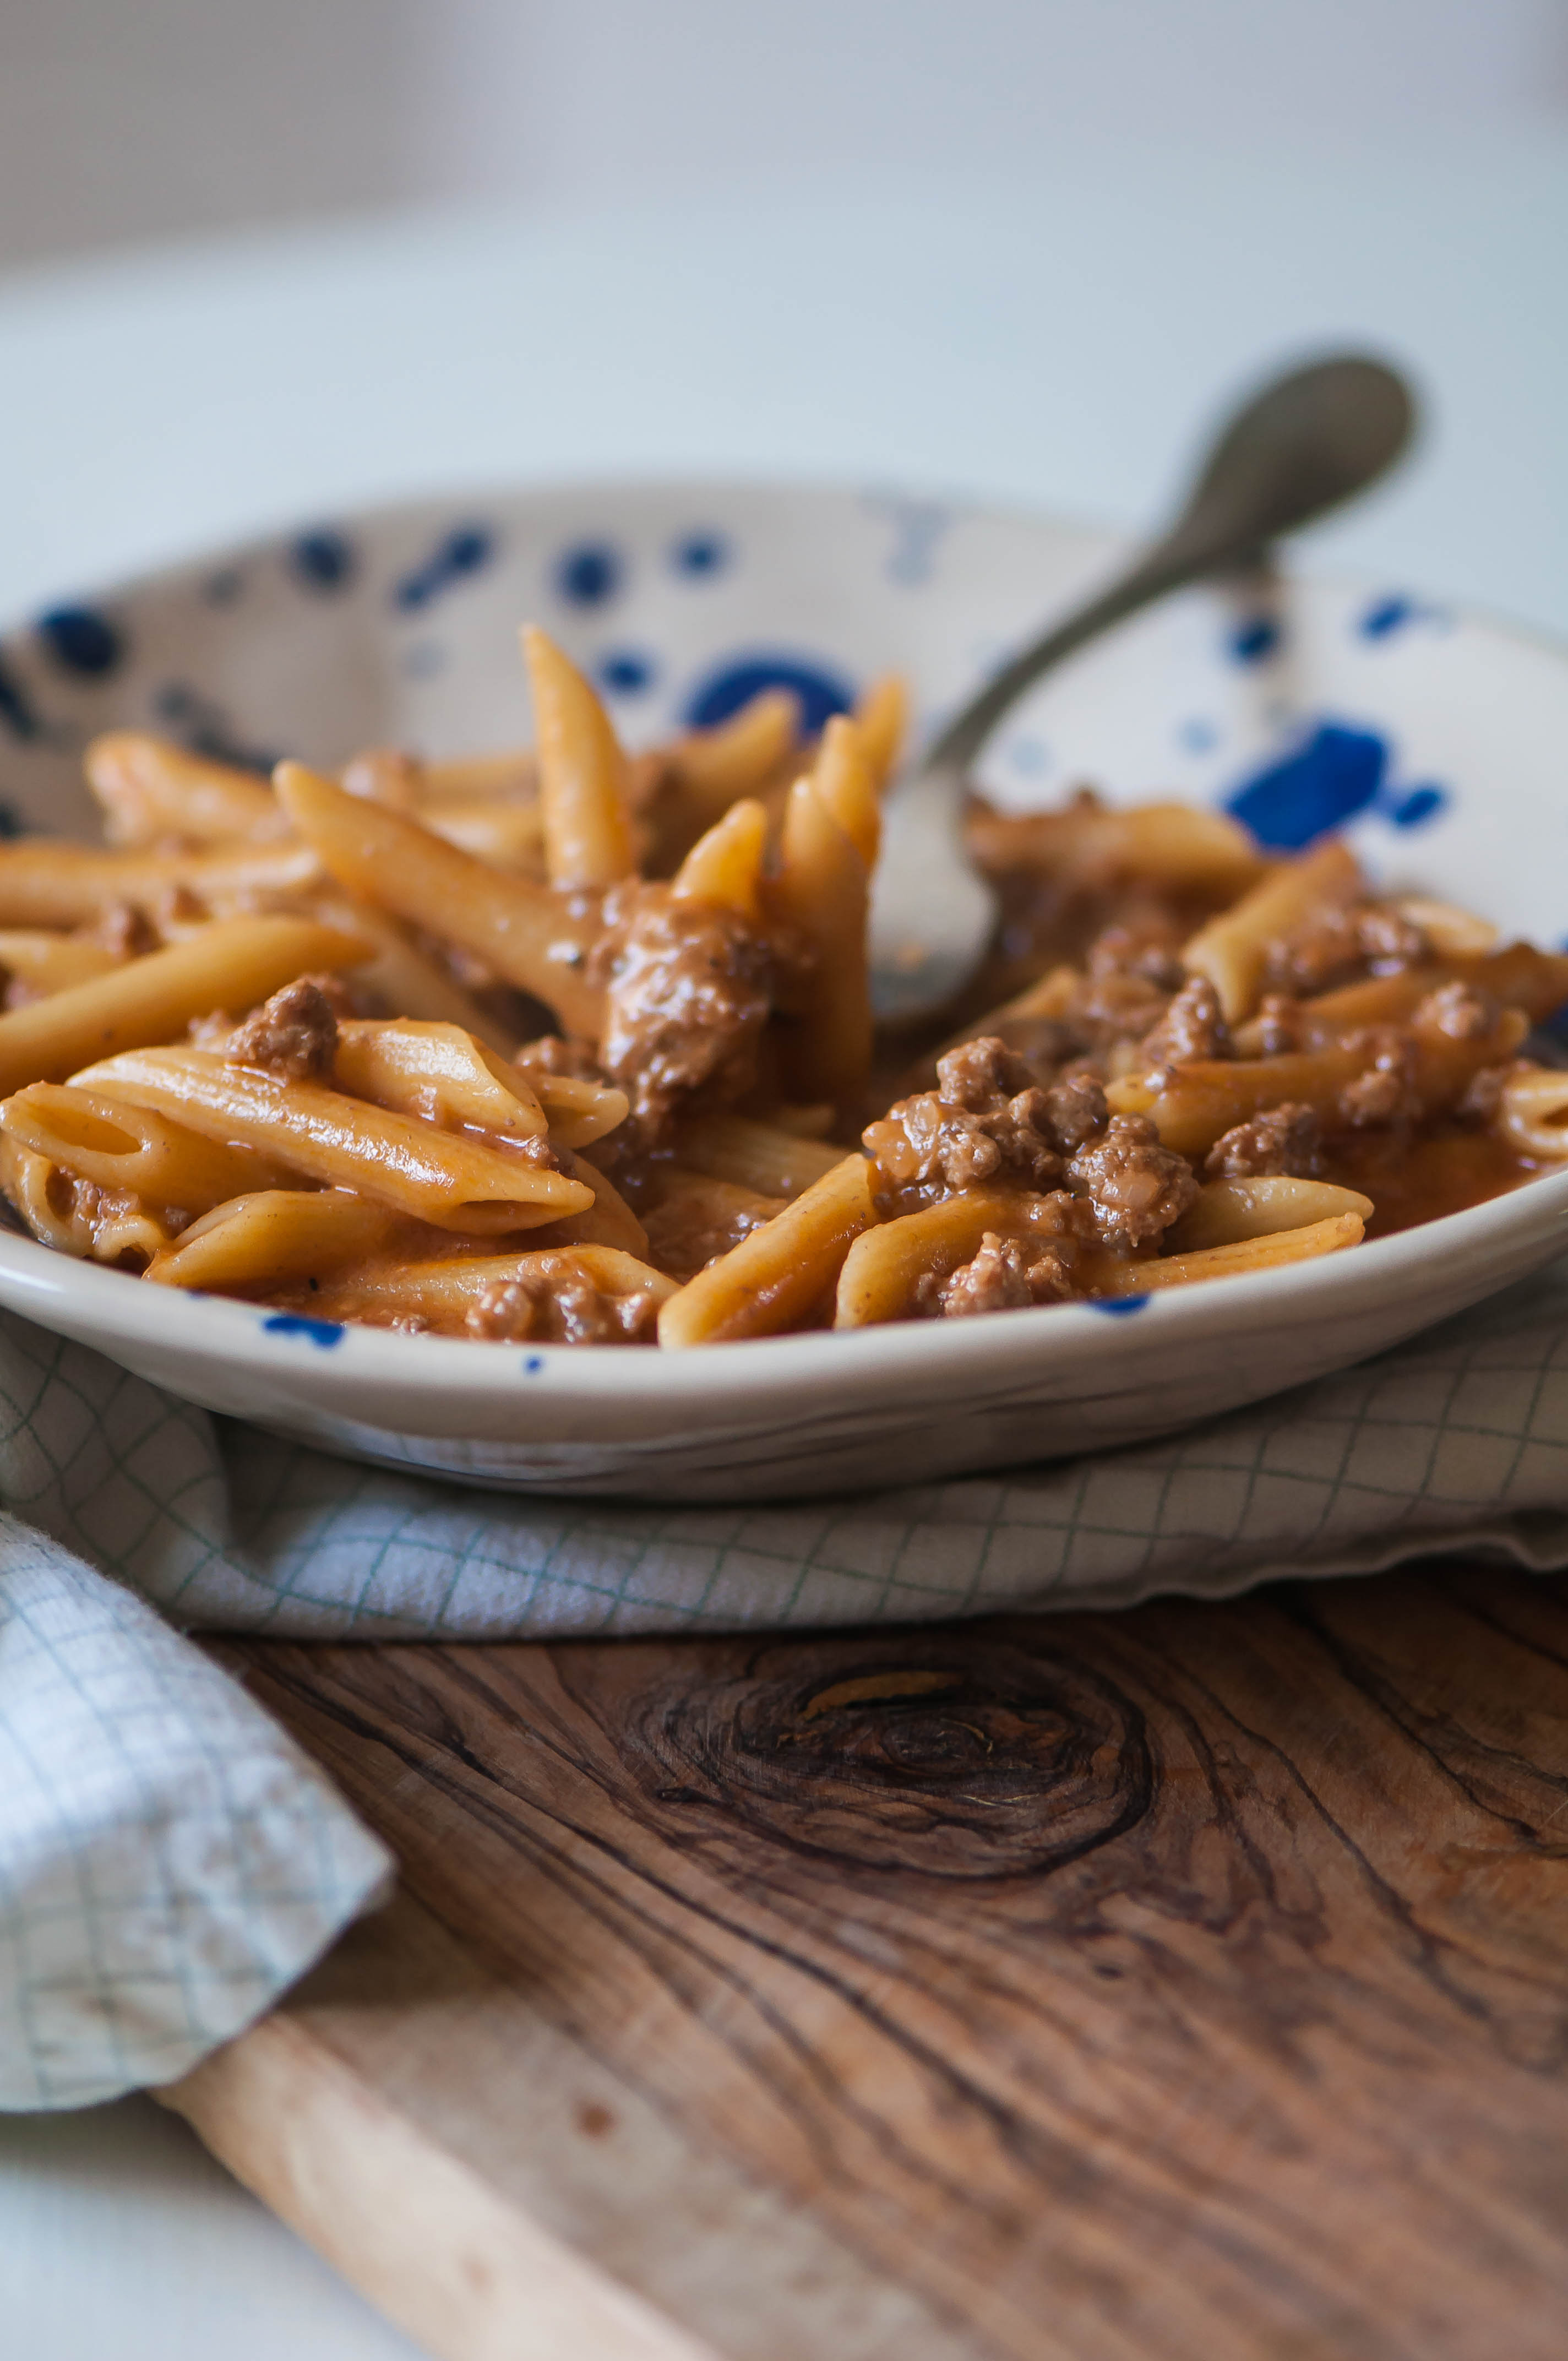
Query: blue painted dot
[[323, 1333], [701, 554], [1419, 805], [465, 551], [625, 672], [735, 682], [322, 559], [1255, 638], [1118, 1306], [533, 1363], [81, 641], [11, 824], [1332, 776], [16, 707], [589, 574], [1198, 737]]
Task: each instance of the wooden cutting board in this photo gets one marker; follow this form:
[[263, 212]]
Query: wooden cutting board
[[1188, 1984]]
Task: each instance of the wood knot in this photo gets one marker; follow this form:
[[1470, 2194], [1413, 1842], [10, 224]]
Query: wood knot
[[952, 1755]]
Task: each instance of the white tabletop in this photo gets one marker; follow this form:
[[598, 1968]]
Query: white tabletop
[[1059, 343]]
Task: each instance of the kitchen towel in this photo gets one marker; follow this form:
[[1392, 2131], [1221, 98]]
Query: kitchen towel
[[169, 1862]]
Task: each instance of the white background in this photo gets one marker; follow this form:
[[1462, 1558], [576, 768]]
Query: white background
[[1016, 246]]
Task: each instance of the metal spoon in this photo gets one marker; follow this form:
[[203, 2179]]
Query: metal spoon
[[1305, 443]]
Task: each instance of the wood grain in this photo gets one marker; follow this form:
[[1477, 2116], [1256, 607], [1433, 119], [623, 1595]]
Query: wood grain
[[1190, 1983]]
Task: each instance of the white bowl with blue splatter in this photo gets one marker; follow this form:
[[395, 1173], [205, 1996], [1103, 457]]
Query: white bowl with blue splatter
[[1439, 742]]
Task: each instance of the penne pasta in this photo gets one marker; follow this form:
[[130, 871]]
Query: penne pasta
[[122, 1147], [1519, 976], [1533, 1113], [406, 979], [1233, 949], [274, 1238], [756, 1156], [741, 756], [724, 866], [881, 715], [821, 891], [438, 1072], [527, 934], [1229, 1211], [151, 790], [52, 884], [42, 962], [885, 1266], [1237, 1260], [586, 818], [458, 1292], [230, 964], [607, 1221], [452, 1181], [509, 776], [845, 780], [513, 835], [775, 1278]]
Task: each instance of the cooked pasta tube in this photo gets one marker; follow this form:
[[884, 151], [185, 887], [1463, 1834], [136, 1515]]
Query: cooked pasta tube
[[725, 865], [510, 776], [1233, 949], [437, 1072], [509, 834], [582, 774], [43, 962], [846, 779], [454, 1180], [1090, 843], [776, 1276], [739, 757], [579, 1112], [1533, 1113], [1192, 1104], [41, 1193], [1519, 976], [150, 790], [1229, 1211], [406, 979], [273, 1237], [757, 1156], [884, 1267], [1234, 1261], [881, 712], [385, 774], [445, 1294], [526, 933], [607, 1221], [56, 885], [119, 1147], [230, 964], [821, 891], [1451, 930]]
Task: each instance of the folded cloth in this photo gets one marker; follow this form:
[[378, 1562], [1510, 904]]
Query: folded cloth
[[168, 1863]]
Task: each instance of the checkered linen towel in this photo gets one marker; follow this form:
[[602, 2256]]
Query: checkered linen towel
[[168, 1861]]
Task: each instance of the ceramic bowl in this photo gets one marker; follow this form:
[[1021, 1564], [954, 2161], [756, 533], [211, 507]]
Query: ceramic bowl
[[1436, 739]]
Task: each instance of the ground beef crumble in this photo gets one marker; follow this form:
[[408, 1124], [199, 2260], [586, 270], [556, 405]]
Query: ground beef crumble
[[1285, 1140], [560, 1308], [688, 988], [1342, 946], [293, 1035], [1385, 1091], [1135, 1188], [1459, 1010], [1005, 1275], [1192, 1029]]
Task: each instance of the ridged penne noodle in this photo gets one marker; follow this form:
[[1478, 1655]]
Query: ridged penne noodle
[[230, 964], [438, 1072], [724, 866], [845, 780], [274, 1237], [582, 774], [884, 1267], [1192, 1104], [1452, 932], [54, 885], [151, 790], [739, 757], [1234, 1261], [385, 774], [509, 834], [527, 934], [778, 1274], [757, 1156], [453, 1180], [1518, 976], [43, 962], [1229, 1211], [405, 978], [1180, 845], [607, 1221], [120, 1147], [510, 775], [1233, 949], [443, 1294], [821, 890], [579, 1112], [881, 713], [41, 1193], [1533, 1113]]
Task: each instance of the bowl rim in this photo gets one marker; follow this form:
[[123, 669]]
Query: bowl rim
[[34, 1278]]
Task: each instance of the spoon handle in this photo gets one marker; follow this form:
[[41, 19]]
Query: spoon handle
[[1169, 566]]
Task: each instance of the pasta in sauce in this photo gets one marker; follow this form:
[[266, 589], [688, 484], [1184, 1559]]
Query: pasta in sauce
[[576, 1046]]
